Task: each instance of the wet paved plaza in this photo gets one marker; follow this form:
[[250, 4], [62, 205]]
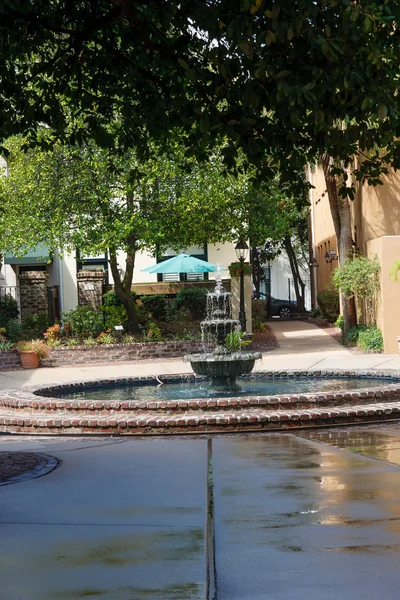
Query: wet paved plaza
[[311, 516]]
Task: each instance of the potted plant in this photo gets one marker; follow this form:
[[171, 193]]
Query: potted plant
[[31, 352], [236, 267]]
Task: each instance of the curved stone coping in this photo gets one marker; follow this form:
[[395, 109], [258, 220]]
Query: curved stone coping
[[30, 398], [225, 422], [234, 357], [16, 467]]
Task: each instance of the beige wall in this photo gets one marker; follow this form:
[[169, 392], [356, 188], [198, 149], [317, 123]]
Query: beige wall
[[323, 236], [248, 288], [387, 249]]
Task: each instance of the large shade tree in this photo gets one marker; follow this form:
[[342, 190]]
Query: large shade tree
[[90, 198], [276, 75]]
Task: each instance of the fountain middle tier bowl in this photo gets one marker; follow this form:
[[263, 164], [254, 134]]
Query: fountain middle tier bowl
[[225, 366]]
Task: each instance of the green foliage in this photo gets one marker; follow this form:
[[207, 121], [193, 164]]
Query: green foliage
[[328, 302], [352, 335], [257, 324], [365, 338], [360, 277], [193, 300], [234, 341], [105, 338], [370, 339], [84, 322], [155, 306], [154, 333], [111, 299], [340, 322], [114, 315], [34, 326], [394, 271], [253, 85], [235, 268], [8, 309], [5, 344], [14, 330]]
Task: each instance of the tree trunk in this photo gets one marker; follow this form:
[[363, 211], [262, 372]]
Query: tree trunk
[[257, 270], [123, 288], [341, 216], [299, 285]]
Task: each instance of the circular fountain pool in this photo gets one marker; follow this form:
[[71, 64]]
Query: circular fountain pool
[[172, 404], [197, 388]]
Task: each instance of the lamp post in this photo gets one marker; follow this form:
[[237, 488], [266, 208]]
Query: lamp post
[[241, 250]]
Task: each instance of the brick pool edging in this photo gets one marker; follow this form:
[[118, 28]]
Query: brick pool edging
[[24, 411]]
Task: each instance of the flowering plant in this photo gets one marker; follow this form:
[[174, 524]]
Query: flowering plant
[[37, 346], [52, 333]]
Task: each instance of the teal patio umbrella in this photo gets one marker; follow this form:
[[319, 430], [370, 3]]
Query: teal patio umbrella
[[182, 263]]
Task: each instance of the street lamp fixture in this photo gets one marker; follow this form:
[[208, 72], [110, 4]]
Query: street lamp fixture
[[241, 250], [331, 256], [313, 263]]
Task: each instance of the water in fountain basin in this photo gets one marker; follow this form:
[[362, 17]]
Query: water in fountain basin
[[253, 386]]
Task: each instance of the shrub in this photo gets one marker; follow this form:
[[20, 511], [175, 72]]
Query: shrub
[[84, 322], [370, 338], [111, 299], [114, 315], [34, 326], [8, 309], [192, 299], [340, 322], [328, 302], [351, 337], [154, 333], [360, 276], [14, 330], [52, 333], [259, 309], [257, 324], [155, 306]]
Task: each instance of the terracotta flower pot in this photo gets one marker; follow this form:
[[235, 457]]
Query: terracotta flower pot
[[29, 359]]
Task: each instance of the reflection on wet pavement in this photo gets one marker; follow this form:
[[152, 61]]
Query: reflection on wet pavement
[[294, 516], [375, 441], [314, 516]]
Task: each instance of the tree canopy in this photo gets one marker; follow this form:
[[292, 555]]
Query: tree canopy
[[287, 79]]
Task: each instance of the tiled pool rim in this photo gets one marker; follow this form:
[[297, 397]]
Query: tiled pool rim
[[26, 411]]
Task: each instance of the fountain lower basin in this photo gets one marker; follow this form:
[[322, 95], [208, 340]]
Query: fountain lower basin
[[225, 366]]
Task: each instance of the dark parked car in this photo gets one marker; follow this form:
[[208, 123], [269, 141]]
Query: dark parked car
[[280, 308], [283, 308]]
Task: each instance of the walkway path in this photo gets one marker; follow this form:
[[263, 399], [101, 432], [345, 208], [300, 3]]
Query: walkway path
[[302, 346]]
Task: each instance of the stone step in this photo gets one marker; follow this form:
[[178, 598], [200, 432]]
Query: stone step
[[194, 421]]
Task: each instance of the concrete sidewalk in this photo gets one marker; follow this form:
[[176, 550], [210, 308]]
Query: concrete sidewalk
[[302, 346]]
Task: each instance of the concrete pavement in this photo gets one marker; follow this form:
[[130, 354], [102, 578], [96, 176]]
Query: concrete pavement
[[302, 346]]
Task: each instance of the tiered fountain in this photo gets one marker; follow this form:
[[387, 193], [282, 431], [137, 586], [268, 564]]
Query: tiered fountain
[[220, 363]]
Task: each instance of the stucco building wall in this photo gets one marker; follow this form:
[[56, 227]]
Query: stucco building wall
[[375, 232]]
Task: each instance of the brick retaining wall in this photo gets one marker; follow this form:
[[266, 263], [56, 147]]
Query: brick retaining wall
[[9, 359], [78, 355], [119, 352]]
